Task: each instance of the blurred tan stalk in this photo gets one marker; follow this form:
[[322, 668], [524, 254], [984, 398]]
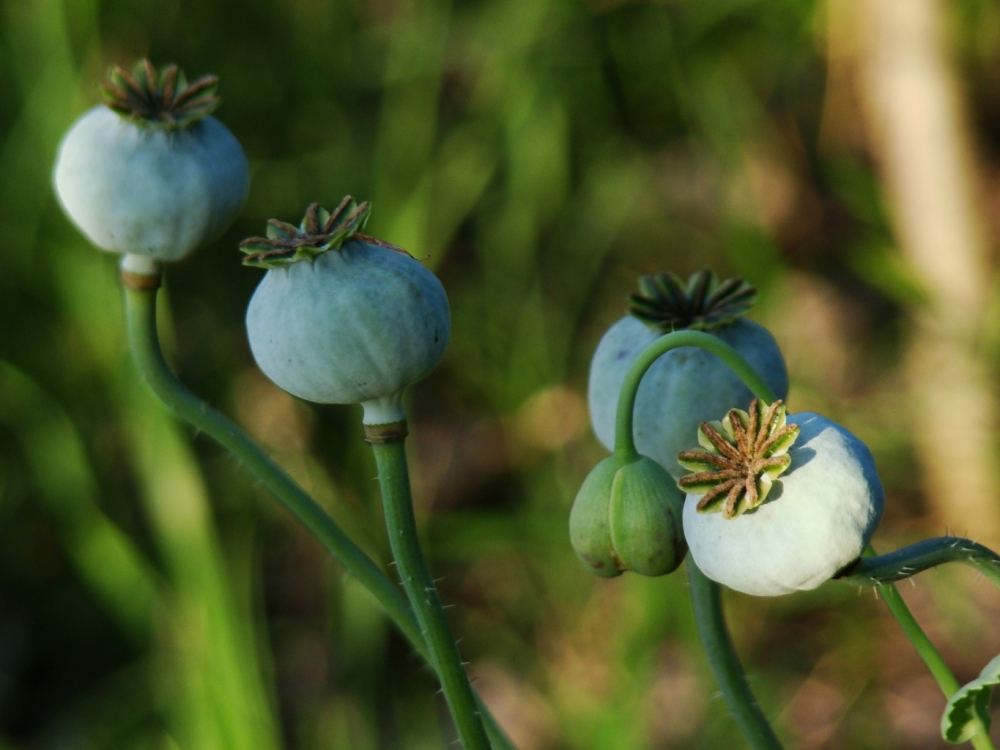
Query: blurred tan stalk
[[917, 127]]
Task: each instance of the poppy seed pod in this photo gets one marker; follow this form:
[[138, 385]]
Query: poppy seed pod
[[778, 505], [343, 318], [686, 386], [151, 172], [627, 516]]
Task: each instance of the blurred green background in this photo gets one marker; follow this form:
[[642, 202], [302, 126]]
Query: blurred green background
[[843, 156]]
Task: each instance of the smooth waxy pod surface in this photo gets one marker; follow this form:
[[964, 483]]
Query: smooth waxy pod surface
[[817, 516], [627, 516], [151, 173], [340, 319]]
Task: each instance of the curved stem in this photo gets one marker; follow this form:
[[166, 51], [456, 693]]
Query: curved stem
[[624, 439], [140, 320], [931, 656], [710, 619], [929, 553], [870, 570], [394, 478], [705, 594]]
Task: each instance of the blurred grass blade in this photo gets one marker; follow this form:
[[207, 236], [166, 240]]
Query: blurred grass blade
[[224, 699], [105, 557]]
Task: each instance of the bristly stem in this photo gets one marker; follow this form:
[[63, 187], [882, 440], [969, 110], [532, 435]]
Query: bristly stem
[[871, 570], [931, 656], [707, 600], [394, 479], [140, 315], [881, 570], [929, 553], [705, 594]]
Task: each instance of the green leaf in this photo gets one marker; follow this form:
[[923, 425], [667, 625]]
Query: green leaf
[[971, 703]]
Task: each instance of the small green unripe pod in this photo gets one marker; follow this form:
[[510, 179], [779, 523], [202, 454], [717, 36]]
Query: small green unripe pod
[[590, 520], [627, 516], [686, 386], [647, 529]]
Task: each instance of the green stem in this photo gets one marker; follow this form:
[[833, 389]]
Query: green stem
[[929, 553], [931, 656], [394, 478], [707, 602], [710, 619], [705, 594], [624, 439], [140, 315]]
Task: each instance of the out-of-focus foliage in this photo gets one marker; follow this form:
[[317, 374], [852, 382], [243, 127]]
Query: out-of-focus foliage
[[542, 154]]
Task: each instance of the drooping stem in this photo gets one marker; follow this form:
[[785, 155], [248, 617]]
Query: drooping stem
[[931, 656], [140, 316], [705, 594], [871, 570], [710, 619], [394, 479], [624, 439], [929, 553]]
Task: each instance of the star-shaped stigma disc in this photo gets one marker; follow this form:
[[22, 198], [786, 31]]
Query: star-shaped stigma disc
[[319, 232], [744, 454], [160, 98], [667, 303]]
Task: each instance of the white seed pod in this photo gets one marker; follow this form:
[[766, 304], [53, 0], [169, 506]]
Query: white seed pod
[[818, 517], [355, 322], [682, 389], [158, 181]]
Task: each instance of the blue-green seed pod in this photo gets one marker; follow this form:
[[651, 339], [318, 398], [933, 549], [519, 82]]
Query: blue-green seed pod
[[343, 318], [151, 173], [686, 386]]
